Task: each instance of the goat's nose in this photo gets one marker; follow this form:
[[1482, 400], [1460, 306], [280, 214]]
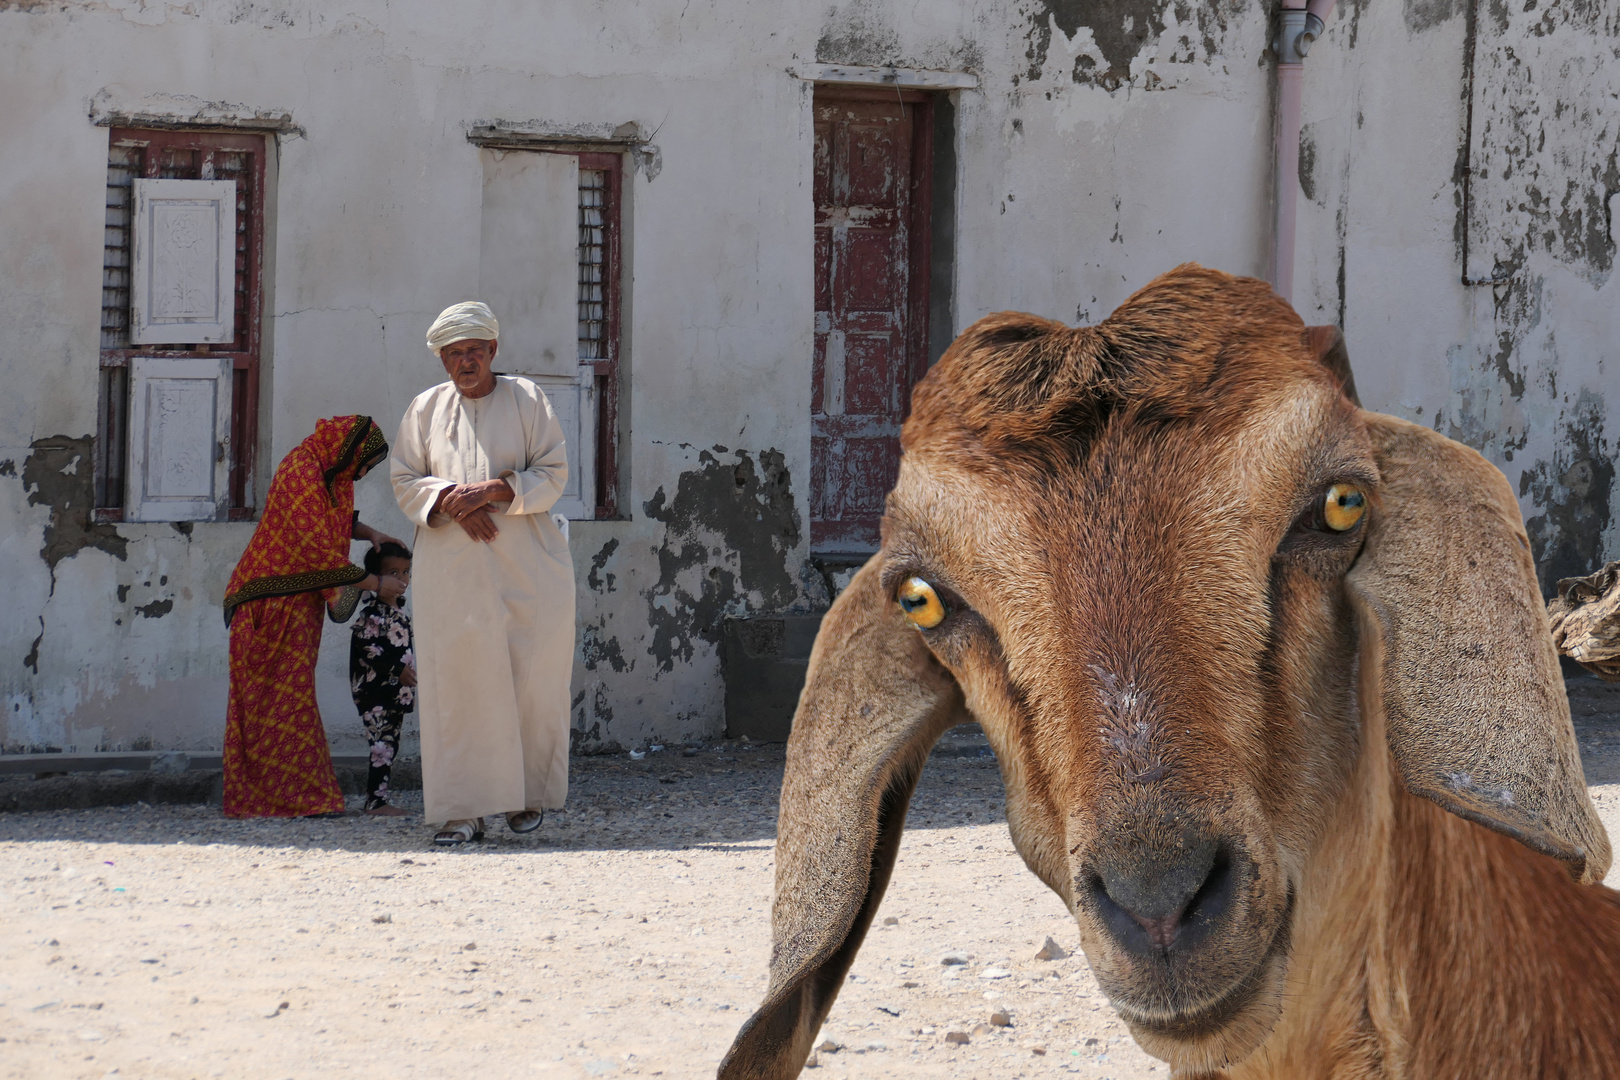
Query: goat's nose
[[1155, 900]]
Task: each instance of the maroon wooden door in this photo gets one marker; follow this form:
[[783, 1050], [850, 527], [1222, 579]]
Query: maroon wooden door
[[872, 169]]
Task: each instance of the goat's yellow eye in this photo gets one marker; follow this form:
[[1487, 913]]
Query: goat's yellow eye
[[1343, 507], [921, 603]]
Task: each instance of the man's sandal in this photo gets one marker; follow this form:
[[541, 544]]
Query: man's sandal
[[460, 832], [524, 821]]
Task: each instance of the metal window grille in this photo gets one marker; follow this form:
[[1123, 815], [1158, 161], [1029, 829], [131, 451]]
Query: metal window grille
[[123, 165], [237, 165], [593, 314]]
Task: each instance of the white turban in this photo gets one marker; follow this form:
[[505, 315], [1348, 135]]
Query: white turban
[[458, 322]]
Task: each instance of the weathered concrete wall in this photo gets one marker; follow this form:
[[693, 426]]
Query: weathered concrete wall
[[1106, 142], [1454, 139]]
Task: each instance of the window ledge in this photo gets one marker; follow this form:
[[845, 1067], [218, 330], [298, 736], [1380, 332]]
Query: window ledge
[[532, 135], [910, 78], [167, 111]]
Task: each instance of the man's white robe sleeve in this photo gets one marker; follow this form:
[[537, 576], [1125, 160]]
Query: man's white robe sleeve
[[541, 484], [415, 487]]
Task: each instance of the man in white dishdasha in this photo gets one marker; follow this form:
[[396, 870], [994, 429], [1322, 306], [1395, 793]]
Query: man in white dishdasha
[[478, 463]]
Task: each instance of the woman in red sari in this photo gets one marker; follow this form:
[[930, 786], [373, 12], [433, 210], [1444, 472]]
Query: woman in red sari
[[277, 762]]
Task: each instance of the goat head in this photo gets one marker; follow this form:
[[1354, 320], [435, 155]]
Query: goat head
[[1188, 588]]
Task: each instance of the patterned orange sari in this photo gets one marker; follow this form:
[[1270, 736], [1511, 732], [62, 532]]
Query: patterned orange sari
[[277, 762]]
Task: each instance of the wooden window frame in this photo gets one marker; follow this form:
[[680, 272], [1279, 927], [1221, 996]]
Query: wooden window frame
[[608, 369], [244, 350]]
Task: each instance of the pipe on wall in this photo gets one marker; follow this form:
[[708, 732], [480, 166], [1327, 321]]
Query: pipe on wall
[[1299, 24]]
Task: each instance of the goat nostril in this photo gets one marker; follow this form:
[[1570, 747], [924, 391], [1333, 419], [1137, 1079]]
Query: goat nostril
[[1154, 907], [1214, 896]]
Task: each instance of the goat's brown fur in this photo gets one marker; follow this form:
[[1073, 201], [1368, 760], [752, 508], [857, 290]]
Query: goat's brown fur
[[1171, 668]]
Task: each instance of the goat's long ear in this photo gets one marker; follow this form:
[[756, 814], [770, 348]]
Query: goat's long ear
[[875, 701], [1454, 626]]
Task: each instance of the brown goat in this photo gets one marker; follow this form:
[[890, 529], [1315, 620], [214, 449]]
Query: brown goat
[[1272, 692]]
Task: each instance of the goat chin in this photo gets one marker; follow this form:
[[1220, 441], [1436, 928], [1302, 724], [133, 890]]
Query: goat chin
[[1238, 1037], [1224, 1032]]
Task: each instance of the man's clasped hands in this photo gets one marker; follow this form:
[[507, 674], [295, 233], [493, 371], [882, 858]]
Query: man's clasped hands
[[467, 505]]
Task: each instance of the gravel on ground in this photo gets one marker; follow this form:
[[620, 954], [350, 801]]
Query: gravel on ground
[[627, 937]]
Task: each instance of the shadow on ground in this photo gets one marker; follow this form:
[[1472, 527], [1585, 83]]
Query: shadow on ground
[[721, 798], [1594, 705]]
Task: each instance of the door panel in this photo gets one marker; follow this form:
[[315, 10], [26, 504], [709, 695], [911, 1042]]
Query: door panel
[[872, 271], [870, 468], [873, 159], [871, 381]]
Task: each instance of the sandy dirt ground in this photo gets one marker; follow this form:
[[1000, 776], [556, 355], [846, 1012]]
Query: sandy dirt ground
[[627, 938]]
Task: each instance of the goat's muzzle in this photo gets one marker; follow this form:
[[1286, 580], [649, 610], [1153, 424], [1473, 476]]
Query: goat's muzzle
[[1188, 937]]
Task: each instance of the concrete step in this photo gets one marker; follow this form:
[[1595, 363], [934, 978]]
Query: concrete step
[[162, 761], [81, 781]]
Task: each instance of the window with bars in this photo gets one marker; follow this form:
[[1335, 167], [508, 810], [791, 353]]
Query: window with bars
[[136, 154], [593, 189], [548, 264], [600, 177]]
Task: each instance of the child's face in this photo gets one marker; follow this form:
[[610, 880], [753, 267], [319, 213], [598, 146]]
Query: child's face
[[396, 567]]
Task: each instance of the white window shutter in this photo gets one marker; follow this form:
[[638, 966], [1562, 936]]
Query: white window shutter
[[528, 259], [183, 287], [179, 438], [573, 399]]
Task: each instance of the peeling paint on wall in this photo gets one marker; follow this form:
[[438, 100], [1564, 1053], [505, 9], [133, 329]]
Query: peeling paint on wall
[[156, 609], [1307, 162], [730, 530], [1573, 492], [596, 580], [1540, 162], [31, 661], [1108, 37], [1424, 15], [597, 647], [57, 475], [593, 739], [1545, 153], [864, 33], [859, 34]]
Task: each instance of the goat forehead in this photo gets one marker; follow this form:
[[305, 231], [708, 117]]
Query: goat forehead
[[1154, 486], [1212, 471]]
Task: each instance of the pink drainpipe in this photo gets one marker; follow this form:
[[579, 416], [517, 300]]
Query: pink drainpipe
[[1301, 24]]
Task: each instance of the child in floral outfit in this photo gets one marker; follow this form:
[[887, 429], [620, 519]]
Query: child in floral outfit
[[382, 668]]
